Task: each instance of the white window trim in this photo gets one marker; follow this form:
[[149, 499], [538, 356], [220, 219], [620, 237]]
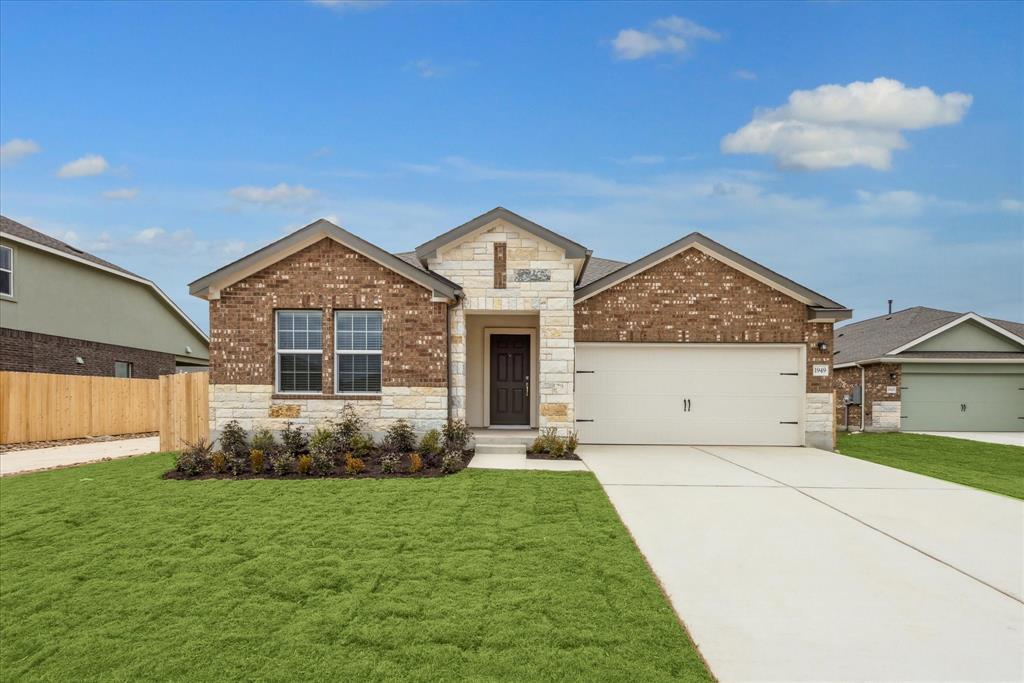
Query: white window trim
[[9, 295], [297, 352], [338, 353]]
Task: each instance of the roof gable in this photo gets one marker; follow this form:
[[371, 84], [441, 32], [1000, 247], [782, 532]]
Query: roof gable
[[825, 308], [573, 250], [969, 327], [209, 286]]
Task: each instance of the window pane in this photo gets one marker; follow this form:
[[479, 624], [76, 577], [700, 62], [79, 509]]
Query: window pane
[[299, 330], [300, 371], [359, 373], [5, 258], [5, 283], [122, 369], [358, 330]]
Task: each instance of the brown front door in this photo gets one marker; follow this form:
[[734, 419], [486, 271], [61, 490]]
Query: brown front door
[[510, 379]]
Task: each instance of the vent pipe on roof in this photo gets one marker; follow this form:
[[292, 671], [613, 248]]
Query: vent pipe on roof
[[890, 307]]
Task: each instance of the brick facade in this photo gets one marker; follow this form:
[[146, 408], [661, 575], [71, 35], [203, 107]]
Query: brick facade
[[879, 404], [22, 351], [327, 276], [694, 298]]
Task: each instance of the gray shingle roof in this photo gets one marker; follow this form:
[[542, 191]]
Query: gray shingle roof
[[876, 337], [23, 231]]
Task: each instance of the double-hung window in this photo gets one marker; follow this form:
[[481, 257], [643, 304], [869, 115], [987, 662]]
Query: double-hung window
[[6, 271], [299, 352], [358, 337]]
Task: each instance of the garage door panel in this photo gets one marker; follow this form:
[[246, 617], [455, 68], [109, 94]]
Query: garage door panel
[[962, 402], [677, 394]]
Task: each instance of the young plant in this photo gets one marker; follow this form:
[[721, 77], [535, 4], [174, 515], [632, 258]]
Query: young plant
[[361, 445], [323, 443], [430, 444], [451, 462], [263, 440], [194, 457], [350, 425], [293, 439], [456, 436], [389, 462], [546, 441], [354, 465], [304, 464], [399, 437], [256, 460], [281, 462], [219, 462], [571, 442], [415, 463], [233, 441]]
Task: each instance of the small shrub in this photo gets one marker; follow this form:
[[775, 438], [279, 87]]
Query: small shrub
[[557, 447], [415, 463], [571, 442], [281, 462], [194, 457], [256, 460], [545, 441], [430, 444], [219, 462], [233, 441], [456, 436], [451, 462], [304, 464], [399, 437], [350, 425], [293, 439], [323, 443], [323, 463], [263, 440], [361, 445], [354, 465], [389, 462]]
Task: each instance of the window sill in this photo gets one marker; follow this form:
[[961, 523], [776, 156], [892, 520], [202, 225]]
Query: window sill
[[328, 397]]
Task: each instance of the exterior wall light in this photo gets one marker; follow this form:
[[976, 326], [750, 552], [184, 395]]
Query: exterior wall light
[[822, 346]]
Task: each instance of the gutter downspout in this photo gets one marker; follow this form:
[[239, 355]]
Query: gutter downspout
[[863, 395]]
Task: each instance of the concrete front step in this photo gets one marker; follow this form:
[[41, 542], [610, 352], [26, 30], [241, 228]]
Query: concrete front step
[[522, 437], [501, 448]]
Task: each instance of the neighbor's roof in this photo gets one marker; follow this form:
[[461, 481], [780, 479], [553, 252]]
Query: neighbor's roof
[[874, 338], [18, 232]]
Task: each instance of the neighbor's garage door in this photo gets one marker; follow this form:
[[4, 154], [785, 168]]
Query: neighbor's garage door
[[978, 402], [742, 394]]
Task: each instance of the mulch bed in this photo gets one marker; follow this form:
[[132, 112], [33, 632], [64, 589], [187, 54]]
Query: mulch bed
[[29, 445], [372, 471], [547, 456]]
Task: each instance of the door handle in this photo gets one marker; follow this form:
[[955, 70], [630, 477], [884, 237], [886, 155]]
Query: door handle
[[527, 386]]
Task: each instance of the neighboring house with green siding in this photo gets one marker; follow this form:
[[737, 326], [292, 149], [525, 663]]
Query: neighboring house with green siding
[[63, 310], [925, 369]]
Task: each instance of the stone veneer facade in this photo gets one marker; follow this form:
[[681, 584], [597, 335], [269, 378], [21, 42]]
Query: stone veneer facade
[[326, 276], [882, 409], [470, 263], [694, 298]]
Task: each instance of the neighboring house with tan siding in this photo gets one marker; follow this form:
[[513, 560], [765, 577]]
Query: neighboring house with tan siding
[[66, 311], [505, 323]]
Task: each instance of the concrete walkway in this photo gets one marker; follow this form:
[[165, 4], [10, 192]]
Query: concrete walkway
[[1007, 438], [13, 462], [793, 564], [517, 461]]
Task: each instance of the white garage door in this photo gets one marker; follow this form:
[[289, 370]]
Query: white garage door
[[740, 394]]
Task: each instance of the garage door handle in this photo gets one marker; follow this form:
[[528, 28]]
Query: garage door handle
[[788, 423], [790, 374], [578, 420]]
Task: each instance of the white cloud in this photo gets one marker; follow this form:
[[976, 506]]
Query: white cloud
[[427, 68], [149, 235], [671, 35], [744, 75], [91, 164], [834, 126], [643, 160], [17, 148], [1012, 205], [892, 202], [122, 194], [281, 193]]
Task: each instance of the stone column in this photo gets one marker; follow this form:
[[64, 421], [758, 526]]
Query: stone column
[[457, 380]]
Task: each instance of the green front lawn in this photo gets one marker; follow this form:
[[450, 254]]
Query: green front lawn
[[108, 572], [989, 466]]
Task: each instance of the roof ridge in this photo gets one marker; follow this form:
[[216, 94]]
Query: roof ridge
[[902, 310]]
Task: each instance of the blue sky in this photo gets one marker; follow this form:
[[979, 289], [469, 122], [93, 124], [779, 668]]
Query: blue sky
[[867, 150]]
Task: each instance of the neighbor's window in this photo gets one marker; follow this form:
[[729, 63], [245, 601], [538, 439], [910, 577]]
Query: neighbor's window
[[357, 351], [6, 271], [299, 351], [122, 368]]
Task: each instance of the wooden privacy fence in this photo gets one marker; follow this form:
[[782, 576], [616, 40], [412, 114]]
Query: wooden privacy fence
[[43, 407], [184, 409]]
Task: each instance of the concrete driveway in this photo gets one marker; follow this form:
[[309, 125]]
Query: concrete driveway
[[794, 564], [15, 462]]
